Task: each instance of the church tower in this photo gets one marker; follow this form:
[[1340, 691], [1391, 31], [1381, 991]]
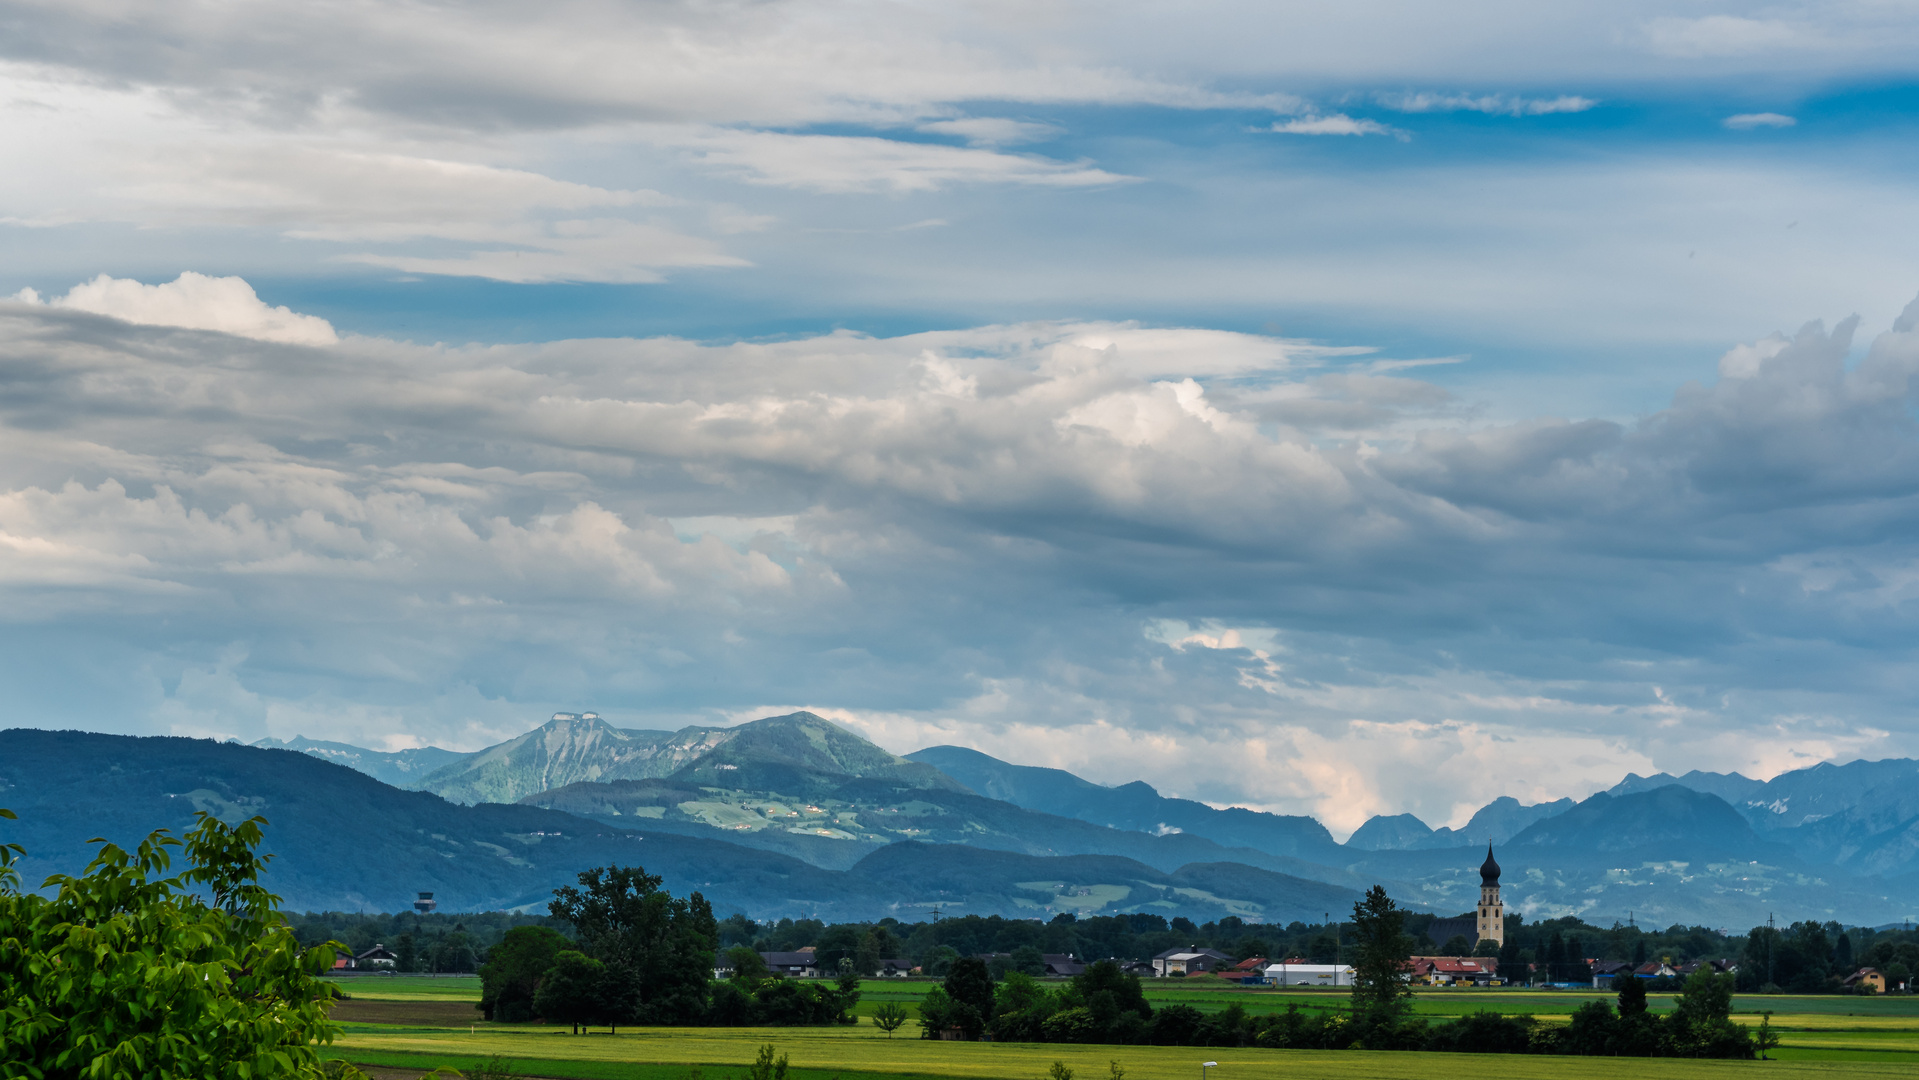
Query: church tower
[[1492, 913]]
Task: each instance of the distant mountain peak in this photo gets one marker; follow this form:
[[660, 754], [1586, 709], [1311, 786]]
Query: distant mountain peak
[[774, 753]]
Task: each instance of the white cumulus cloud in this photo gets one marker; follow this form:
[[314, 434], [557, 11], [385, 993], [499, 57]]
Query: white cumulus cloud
[[194, 302]]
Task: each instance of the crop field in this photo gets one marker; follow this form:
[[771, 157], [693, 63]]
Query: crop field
[[423, 1023]]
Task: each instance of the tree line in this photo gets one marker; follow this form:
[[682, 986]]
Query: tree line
[[1107, 1005], [1803, 957]]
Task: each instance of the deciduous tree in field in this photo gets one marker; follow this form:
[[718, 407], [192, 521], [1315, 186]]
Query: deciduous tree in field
[[890, 1017], [513, 969], [657, 946], [571, 991], [125, 973]]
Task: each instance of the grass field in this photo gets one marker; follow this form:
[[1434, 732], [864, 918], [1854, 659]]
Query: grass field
[[421, 1023]]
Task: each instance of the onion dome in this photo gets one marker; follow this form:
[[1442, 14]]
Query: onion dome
[[1489, 870]]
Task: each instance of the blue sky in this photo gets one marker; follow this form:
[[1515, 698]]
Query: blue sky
[[1273, 402]]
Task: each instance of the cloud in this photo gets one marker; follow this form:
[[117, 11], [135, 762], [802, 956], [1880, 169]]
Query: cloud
[[195, 302], [1714, 36], [384, 207], [1086, 544], [992, 130], [1335, 124], [1490, 104], [1749, 121], [850, 163]]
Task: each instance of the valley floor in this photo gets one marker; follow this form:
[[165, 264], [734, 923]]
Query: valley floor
[[423, 1023]]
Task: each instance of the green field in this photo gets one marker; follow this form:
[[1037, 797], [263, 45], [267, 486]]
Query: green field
[[423, 1023]]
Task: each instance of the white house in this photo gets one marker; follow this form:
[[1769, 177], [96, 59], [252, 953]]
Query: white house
[[1189, 961], [1286, 974]]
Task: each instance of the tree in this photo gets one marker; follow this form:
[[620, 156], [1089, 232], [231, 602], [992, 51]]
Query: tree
[[1706, 998], [125, 972], [936, 1013], [1702, 1017], [406, 953], [1381, 947], [1487, 947], [660, 945], [890, 1017], [749, 967], [1765, 1038], [453, 953], [1457, 945], [1555, 958], [1028, 960], [866, 959], [1111, 993], [570, 991], [513, 969], [970, 988], [1632, 994], [766, 1066]]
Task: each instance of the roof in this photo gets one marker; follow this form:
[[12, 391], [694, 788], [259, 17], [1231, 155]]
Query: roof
[[378, 952], [1489, 870], [803, 958], [1251, 963], [1063, 964], [1456, 965], [1191, 951], [1862, 973]]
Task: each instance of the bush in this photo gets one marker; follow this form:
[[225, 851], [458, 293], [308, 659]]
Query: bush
[[1485, 1033], [1177, 1025], [1075, 1025], [126, 972]]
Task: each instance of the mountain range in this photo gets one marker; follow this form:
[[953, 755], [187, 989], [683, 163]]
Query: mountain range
[[794, 815]]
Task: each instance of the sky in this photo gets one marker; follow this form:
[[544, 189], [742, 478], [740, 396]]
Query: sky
[[1342, 409]]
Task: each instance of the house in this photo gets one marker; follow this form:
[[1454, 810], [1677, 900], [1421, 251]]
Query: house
[[1300, 973], [1142, 968], [1455, 970], [896, 968], [1866, 977], [793, 965], [1606, 971], [1654, 969], [1062, 964], [1189, 960], [1719, 967], [379, 956], [1250, 970], [343, 961]]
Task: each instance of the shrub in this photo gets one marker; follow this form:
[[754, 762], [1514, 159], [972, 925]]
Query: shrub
[[126, 972]]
